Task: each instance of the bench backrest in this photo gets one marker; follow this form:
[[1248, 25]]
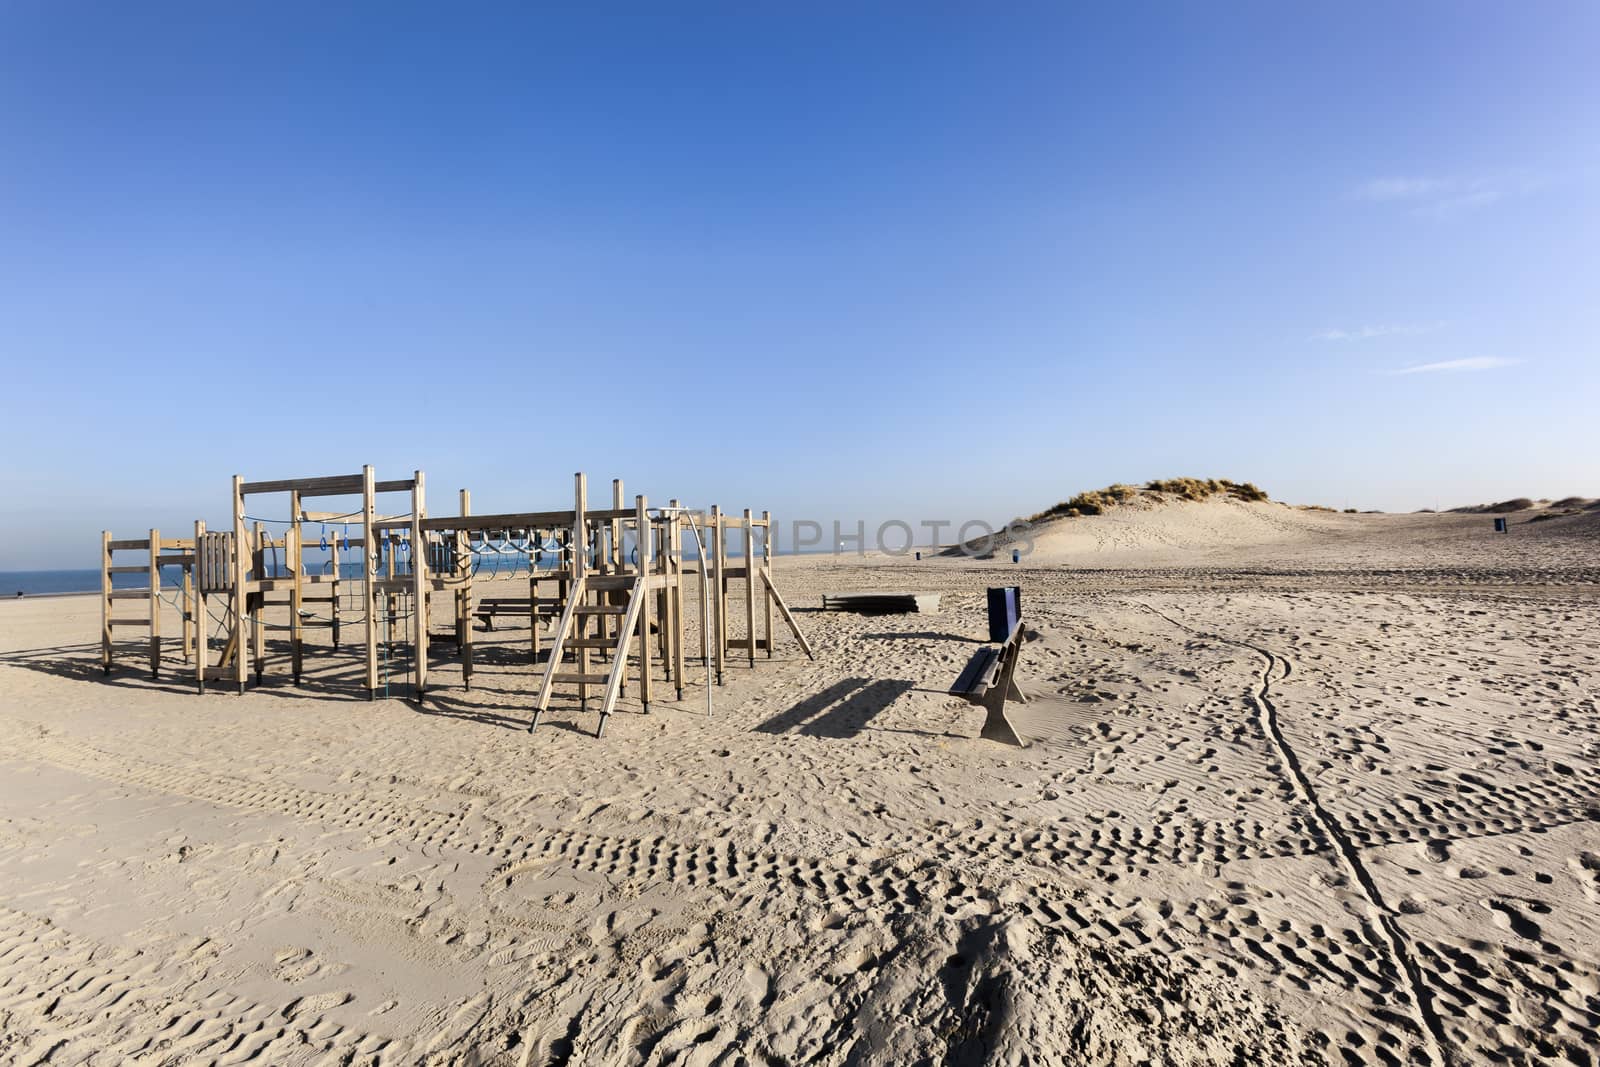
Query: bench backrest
[[1005, 611]]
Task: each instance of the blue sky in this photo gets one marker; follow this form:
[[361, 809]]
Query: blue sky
[[920, 262]]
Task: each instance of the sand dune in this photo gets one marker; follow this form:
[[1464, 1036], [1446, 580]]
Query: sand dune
[[1307, 788]]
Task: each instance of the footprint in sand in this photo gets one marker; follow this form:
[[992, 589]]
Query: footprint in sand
[[1586, 867], [1508, 917], [1436, 850]]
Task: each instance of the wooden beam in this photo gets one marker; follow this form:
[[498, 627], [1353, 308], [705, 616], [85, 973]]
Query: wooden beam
[[334, 485], [788, 616], [542, 520], [419, 584], [202, 637], [241, 546], [105, 601], [369, 591], [766, 572], [642, 592], [750, 584]]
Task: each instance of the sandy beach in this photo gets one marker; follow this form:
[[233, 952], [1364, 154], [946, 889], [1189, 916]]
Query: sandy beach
[[1305, 788]]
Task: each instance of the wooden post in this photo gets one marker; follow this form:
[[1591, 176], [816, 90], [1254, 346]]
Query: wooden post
[[616, 560], [155, 603], [202, 620], [580, 545], [644, 579], [105, 601], [241, 557], [766, 571], [258, 563], [419, 583], [464, 596], [675, 560], [369, 590], [186, 608], [750, 584], [719, 590], [294, 555]]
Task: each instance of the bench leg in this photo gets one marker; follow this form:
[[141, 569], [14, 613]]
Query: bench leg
[[996, 727]]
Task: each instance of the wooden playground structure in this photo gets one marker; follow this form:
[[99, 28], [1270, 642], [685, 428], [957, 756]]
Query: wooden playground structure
[[610, 602]]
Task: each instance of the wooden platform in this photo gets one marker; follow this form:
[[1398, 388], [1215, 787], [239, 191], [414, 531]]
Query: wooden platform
[[882, 603]]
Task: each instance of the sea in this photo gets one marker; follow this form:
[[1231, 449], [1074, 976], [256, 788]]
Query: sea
[[504, 564]]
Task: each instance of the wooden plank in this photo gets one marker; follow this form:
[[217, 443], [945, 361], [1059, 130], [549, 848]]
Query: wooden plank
[[127, 545], [128, 622], [128, 594], [978, 675], [619, 663], [788, 616], [129, 568], [332, 485], [538, 520]]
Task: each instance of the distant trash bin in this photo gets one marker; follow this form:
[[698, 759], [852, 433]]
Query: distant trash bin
[[919, 555], [1016, 555], [1005, 611], [1500, 526]]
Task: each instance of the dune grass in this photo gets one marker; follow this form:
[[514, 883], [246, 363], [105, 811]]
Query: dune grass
[[1098, 501]]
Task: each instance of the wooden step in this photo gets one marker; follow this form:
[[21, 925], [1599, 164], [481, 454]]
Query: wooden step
[[602, 609], [744, 643], [610, 581], [578, 676], [130, 594], [129, 622], [143, 568], [589, 642]]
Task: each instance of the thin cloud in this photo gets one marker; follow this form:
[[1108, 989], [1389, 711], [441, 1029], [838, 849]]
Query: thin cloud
[[1368, 333], [1399, 188], [1441, 197], [1471, 363]]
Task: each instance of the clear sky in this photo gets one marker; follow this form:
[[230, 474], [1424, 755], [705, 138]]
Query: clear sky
[[919, 263]]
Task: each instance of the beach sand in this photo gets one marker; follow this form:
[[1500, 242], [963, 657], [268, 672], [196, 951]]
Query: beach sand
[[1305, 788]]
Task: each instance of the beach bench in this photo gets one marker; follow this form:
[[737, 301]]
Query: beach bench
[[989, 678], [490, 608]]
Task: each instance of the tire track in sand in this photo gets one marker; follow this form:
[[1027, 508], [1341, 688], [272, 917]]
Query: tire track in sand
[[1420, 996]]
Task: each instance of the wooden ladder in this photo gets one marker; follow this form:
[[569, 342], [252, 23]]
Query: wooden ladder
[[637, 588]]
